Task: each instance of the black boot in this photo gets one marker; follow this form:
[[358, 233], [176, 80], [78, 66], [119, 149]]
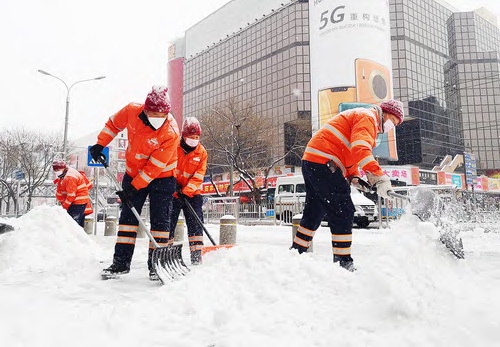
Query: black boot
[[196, 257], [299, 248], [153, 276], [115, 270], [345, 262]]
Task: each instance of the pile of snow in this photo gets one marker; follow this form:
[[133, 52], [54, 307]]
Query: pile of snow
[[408, 291], [45, 240]]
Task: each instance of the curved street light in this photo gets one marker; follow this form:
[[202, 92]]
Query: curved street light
[[68, 89]]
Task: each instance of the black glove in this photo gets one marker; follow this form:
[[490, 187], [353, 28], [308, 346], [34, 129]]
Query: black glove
[[127, 193], [96, 153]]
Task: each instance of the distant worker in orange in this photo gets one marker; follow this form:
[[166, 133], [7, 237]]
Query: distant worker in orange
[[72, 191], [151, 159], [331, 162], [191, 167]]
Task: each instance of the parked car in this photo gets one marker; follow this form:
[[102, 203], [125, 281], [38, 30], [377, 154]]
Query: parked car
[[290, 197]]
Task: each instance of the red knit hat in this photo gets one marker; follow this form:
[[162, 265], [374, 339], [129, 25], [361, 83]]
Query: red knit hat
[[394, 107], [191, 126], [58, 164], [157, 100]]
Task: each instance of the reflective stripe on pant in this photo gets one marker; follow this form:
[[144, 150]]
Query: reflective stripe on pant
[[160, 192], [77, 212], [326, 193], [195, 231]]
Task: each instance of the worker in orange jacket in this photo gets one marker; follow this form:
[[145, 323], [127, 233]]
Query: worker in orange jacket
[[331, 161], [72, 190], [191, 167], [151, 159]]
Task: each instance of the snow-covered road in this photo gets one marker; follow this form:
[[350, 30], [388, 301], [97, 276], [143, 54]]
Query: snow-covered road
[[408, 291]]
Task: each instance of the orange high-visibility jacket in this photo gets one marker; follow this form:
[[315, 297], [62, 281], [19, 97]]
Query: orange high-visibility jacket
[[348, 139], [150, 153], [191, 169], [72, 189], [88, 208]]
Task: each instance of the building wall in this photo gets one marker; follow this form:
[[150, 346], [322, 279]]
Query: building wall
[[420, 52], [266, 64], [474, 75]]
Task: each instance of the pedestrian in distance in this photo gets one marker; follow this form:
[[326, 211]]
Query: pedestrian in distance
[[191, 167], [72, 191], [151, 159], [331, 163]]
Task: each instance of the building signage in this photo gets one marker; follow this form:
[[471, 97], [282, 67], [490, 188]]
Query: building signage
[[408, 175], [470, 169], [350, 60], [428, 177]]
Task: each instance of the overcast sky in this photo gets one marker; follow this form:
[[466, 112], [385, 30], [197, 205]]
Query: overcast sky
[[125, 40]]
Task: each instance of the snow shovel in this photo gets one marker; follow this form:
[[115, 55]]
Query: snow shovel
[[192, 211], [5, 228], [423, 204], [167, 260]]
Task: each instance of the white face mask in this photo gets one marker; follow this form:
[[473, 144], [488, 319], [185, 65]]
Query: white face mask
[[388, 125], [191, 142], [156, 122], [58, 173]]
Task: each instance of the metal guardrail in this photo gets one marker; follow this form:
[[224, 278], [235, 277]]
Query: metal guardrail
[[287, 207]]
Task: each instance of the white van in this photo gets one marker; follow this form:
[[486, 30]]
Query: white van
[[290, 197]]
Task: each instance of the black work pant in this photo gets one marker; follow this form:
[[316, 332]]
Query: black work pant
[[327, 193], [195, 230], [160, 192], [77, 212]]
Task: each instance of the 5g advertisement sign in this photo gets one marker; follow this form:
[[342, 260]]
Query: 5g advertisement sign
[[350, 52]]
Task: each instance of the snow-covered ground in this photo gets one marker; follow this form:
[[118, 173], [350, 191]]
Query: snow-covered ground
[[408, 291]]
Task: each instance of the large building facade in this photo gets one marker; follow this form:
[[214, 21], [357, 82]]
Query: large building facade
[[445, 70]]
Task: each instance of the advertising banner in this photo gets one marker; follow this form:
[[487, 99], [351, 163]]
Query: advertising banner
[[350, 60], [408, 175]]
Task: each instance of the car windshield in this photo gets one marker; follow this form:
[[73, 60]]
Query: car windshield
[[285, 188], [300, 188]]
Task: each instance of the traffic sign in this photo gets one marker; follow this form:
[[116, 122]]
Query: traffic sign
[[92, 162], [19, 174]]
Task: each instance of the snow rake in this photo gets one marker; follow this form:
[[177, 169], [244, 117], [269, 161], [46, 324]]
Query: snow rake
[[167, 260], [207, 248], [426, 206]]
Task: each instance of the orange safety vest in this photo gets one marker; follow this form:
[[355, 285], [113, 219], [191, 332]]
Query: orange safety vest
[[150, 153], [347, 139], [191, 169], [72, 189]]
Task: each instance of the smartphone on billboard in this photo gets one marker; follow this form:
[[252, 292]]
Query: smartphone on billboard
[[373, 82], [330, 98], [373, 85]]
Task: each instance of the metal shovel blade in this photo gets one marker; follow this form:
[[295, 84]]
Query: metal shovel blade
[[5, 228], [168, 263]]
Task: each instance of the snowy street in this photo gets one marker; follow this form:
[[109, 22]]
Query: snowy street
[[408, 291]]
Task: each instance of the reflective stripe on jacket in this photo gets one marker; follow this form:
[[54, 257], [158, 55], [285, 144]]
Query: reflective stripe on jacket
[[348, 139], [191, 169], [150, 153], [72, 189]]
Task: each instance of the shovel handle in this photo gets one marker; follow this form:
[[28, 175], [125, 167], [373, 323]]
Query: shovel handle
[[129, 204], [193, 212]]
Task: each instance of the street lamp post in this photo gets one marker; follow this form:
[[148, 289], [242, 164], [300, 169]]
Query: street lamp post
[[66, 117]]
